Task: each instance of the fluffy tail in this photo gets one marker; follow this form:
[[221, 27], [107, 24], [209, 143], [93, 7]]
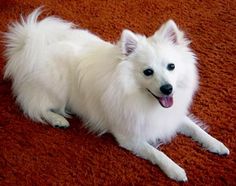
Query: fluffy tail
[[26, 42]]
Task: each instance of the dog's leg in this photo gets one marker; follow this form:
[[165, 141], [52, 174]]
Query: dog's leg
[[148, 152], [56, 120], [190, 128]]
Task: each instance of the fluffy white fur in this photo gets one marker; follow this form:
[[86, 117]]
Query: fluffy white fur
[[56, 68]]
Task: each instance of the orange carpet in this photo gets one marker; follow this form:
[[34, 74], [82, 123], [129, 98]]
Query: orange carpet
[[35, 154]]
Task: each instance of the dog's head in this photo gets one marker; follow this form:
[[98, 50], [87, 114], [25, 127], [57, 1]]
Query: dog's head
[[160, 64]]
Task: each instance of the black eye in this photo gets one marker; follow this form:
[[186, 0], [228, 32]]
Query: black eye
[[171, 66], [148, 72]]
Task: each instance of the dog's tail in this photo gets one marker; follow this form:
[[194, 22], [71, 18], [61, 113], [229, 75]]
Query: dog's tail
[[26, 43]]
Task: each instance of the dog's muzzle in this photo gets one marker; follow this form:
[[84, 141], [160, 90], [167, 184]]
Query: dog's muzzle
[[165, 101]]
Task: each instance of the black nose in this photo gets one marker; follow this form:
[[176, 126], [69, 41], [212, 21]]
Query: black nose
[[166, 89]]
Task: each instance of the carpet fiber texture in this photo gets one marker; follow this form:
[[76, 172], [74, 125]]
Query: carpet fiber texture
[[36, 154]]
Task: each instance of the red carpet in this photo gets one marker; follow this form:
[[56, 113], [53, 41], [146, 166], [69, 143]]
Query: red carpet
[[35, 154]]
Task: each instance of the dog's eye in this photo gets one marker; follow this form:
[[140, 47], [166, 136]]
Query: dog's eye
[[148, 72], [171, 66]]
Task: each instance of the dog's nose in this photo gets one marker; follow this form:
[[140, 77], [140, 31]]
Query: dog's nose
[[166, 89]]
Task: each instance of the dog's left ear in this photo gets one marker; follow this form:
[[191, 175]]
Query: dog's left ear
[[170, 31], [129, 42]]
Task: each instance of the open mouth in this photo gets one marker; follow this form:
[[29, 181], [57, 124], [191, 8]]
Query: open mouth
[[165, 101]]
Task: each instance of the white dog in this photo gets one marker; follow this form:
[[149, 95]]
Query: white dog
[[138, 89]]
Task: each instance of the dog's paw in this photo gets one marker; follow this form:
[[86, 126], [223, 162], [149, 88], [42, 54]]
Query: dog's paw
[[176, 173], [218, 148], [56, 120], [60, 123]]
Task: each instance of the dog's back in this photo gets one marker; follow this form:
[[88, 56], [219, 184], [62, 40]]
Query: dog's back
[[43, 62]]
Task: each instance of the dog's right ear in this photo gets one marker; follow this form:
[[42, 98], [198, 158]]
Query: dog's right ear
[[129, 42]]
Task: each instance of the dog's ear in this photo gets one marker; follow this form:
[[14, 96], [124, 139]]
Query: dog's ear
[[129, 42], [170, 31]]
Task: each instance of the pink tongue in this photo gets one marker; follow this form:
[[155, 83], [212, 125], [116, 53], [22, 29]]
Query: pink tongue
[[166, 101]]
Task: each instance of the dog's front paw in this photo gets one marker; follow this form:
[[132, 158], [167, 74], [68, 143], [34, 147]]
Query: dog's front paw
[[176, 173], [218, 148]]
